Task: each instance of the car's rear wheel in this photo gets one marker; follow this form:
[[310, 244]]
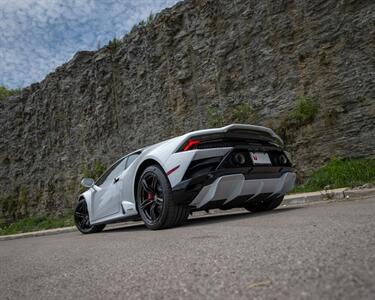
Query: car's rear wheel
[[155, 201], [82, 221], [264, 205]]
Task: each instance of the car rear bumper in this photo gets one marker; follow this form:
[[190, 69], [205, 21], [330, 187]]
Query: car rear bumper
[[232, 190]]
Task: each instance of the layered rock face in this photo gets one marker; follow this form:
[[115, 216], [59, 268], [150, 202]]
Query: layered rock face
[[198, 64]]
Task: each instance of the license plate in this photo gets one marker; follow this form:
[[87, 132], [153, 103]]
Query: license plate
[[260, 158]]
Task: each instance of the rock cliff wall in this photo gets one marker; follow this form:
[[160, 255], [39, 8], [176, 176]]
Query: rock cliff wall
[[304, 68]]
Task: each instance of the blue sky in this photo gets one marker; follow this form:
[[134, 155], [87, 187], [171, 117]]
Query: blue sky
[[36, 36]]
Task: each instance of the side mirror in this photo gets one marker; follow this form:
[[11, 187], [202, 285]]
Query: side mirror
[[87, 182]]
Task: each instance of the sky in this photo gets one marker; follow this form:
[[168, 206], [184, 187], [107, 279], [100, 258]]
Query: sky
[[36, 36]]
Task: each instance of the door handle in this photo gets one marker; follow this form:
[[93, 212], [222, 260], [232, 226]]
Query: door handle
[[115, 179]]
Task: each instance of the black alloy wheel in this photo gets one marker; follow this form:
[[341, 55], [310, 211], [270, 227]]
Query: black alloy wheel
[[151, 201], [82, 221], [155, 201]]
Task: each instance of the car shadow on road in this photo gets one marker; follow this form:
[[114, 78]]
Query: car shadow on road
[[224, 217], [139, 226], [207, 219]]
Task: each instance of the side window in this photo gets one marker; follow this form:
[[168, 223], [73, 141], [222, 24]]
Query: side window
[[131, 158], [114, 171]]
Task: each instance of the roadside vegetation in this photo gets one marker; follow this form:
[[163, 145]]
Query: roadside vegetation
[[93, 170], [304, 113], [340, 173], [241, 113], [144, 23], [114, 45], [36, 223], [4, 92]]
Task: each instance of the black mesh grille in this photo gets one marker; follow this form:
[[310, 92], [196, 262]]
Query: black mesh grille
[[231, 162], [202, 167]]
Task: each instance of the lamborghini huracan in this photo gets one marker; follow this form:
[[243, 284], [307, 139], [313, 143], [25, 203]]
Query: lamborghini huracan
[[233, 166]]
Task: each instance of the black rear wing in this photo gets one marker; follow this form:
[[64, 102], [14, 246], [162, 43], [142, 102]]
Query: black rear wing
[[235, 132]]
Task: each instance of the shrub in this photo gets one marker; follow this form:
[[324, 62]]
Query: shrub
[[303, 114], [340, 173], [214, 118], [150, 19], [93, 170], [4, 92], [243, 113], [305, 111], [114, 44]]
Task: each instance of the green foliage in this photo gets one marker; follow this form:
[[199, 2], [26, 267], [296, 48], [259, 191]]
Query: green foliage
[[9, 205], [36, 223], [23, 198], [16, 205], [150, 19], [340, 173], [142, 23], [114, 44], [242, 113], [4, 92], [214, 118], [93, 170], [304, 112]]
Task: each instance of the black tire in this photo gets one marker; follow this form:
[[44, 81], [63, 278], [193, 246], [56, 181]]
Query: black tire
[[264, 205], [155, 201], [81, 219]]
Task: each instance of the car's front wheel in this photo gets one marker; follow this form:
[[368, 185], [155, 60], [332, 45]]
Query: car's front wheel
[[82, 221], [155, 201], [264, 205]]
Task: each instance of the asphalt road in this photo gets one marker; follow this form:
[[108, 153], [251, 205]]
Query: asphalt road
[[321, 251]]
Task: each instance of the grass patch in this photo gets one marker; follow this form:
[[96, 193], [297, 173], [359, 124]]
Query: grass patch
[[144, 23], [241, 113], [215, 118], [93, 170], [340, 173], [35, 224], [305, 111], [114, 44], [150, 19], [4, 92]]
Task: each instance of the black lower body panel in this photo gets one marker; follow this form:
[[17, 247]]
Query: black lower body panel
[[186, 191]]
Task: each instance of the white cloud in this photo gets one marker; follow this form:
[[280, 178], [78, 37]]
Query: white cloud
[[36, 36]]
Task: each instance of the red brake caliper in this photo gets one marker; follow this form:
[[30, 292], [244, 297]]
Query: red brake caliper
[[150, 196]]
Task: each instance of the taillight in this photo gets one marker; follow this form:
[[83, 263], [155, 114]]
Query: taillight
[[190, 143]]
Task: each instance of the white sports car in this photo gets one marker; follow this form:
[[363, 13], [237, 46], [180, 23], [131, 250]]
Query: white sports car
[[233, 166]]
